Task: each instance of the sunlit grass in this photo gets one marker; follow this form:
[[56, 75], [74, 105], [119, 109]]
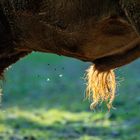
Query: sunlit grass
[[53, 123]]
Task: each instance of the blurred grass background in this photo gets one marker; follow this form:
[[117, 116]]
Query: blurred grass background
[[44, 100]]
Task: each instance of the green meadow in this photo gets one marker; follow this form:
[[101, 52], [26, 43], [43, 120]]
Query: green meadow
[[43, 99]]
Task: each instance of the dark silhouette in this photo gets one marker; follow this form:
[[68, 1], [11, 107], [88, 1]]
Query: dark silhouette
[[105, 32]]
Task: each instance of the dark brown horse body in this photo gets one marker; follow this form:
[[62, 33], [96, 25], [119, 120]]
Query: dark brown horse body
[[105, 32]]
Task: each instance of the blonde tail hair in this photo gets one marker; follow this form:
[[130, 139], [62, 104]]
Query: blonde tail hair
[[101, 86]]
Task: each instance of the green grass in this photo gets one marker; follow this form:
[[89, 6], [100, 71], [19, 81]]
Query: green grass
[[44, 100]]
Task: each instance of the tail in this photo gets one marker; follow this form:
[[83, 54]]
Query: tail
[[101, 86]]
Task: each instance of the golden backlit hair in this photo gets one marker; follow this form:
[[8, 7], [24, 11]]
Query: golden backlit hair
[[101, 86]]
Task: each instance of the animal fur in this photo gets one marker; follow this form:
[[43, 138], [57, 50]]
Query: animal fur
[[105, 32]]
